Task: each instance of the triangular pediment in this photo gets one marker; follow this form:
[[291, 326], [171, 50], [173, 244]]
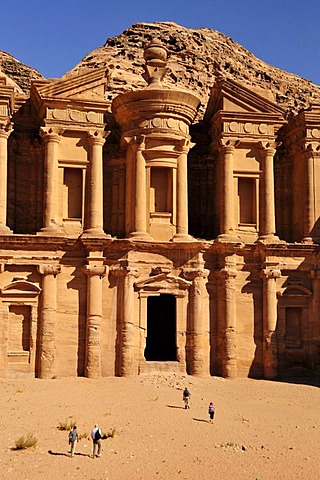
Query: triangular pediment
[[89, 85], [231, 97], [162, 281]]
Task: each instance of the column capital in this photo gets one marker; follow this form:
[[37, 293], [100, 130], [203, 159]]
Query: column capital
[[271, 273], [195, 274], [6, 128], [97, 137], [137, 142], [315, 273], [185, 145], [51, 134], [228, 272], [46, 269], [92, 270], [121, 271], [268, 148], [227, 145]]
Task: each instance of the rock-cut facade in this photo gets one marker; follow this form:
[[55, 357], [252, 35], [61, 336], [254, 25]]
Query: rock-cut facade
[[137, 239]]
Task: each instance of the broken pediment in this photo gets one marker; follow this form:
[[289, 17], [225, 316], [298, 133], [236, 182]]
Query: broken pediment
[[229, 96], [89, 85]]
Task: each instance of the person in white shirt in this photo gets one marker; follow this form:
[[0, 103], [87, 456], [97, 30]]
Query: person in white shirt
[[96, 439]]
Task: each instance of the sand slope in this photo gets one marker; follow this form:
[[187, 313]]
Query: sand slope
[[265, 430]]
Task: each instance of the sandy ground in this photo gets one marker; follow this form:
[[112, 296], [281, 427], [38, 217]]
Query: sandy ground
[[262, 430]]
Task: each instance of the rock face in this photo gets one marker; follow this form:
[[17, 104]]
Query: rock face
[[17, 71], [194, 58]]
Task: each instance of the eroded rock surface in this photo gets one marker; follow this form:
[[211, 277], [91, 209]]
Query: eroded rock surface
[[194, 58]]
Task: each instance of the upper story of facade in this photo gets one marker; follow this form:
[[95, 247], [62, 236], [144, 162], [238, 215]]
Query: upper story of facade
[[74, 163]]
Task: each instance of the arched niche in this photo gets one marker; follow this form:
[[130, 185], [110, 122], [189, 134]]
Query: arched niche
[[19, 304]]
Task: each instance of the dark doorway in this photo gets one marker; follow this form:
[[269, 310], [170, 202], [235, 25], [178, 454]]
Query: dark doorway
[[161, 329]]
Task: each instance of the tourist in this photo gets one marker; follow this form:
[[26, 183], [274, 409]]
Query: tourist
[[96, 439], [186, 397], [73, 438], [211, 411]]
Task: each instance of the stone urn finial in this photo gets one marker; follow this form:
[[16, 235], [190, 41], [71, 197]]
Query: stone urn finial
[[155, 55]]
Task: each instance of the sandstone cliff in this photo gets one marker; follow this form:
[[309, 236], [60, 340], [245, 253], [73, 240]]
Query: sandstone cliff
[[21, 74], [194, 58]]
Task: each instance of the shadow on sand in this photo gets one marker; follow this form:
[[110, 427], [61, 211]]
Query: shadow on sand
[[68, 454], [174, 406], [201, 420]]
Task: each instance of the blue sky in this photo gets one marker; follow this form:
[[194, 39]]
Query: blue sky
[[54, 35]]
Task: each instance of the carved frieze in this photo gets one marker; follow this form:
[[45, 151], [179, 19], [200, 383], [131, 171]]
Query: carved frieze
[[248, 128], [71, 115]]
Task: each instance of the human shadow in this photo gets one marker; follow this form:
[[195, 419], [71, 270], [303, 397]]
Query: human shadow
[[60, 454], [175, 406], [201, 420]]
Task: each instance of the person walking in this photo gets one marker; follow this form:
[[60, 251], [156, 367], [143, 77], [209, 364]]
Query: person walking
[[73, 438], [186, 397], [96, 440], [211, 411]]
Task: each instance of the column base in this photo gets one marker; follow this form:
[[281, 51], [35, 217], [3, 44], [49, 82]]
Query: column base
[[308, 240], [95, 232], [4, 230], [183, 237], [228, 238], [270, 239], [52, 232], [140, 236]]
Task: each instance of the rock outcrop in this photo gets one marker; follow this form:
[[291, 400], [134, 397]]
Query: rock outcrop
[[21, 74], [195, 56]]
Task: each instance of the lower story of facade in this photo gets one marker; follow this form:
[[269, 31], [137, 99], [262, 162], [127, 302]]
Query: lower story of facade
[[100, 307]]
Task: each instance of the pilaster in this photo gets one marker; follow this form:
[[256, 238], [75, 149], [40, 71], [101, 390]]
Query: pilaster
[[270, 348], [95, 202], [228, 275], [95, 271], [47, 347], [51, 224], [198, 344], [267, 200], [5, 130]]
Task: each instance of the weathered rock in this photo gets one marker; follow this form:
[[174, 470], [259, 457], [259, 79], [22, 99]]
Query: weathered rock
[[17, 71], [194, 58]]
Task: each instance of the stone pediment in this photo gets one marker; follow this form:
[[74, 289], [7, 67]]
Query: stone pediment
[[20, 287], [90, 85], [162, 282], [229, 96]]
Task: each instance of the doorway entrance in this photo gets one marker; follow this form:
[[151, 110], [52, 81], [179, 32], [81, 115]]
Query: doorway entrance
[[161, 344]]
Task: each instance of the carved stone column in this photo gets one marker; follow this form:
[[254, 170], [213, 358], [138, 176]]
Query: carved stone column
[[226, 152], [95, 204], [229, 361], [315, 327], [128, 362], [267, 198], [139, 224], [95, 272], [47, 356], [309, 217], [198, 342], [51, 138], [182, 193], [270, 347], [5, 130]]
